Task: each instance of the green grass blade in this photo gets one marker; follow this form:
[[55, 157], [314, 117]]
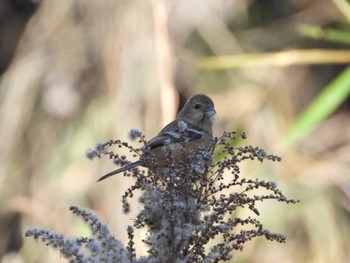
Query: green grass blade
[[333, 35], [320, 108]]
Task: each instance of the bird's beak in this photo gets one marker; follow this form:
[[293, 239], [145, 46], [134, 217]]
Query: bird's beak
[[211, 114]]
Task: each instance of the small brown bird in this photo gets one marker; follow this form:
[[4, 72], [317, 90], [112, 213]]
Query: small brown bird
[[191, 129]]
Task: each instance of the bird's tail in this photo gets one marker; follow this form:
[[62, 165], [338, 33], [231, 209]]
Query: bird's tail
[[122, 169]]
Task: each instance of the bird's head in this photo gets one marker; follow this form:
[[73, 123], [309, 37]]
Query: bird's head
[[199, 110]]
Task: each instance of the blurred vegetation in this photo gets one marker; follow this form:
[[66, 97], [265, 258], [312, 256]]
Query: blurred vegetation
[[78, 72]]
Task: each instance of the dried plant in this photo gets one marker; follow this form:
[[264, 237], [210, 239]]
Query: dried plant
[[189, 211]]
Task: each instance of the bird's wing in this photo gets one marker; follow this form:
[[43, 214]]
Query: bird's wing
[[173, 134]]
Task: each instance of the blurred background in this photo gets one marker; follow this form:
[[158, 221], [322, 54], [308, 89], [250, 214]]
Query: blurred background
[[74, 73]]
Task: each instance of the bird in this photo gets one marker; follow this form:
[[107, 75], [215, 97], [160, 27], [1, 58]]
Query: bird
[[192, 129]]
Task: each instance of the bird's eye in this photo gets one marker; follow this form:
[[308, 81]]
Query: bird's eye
[[197, 106]]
